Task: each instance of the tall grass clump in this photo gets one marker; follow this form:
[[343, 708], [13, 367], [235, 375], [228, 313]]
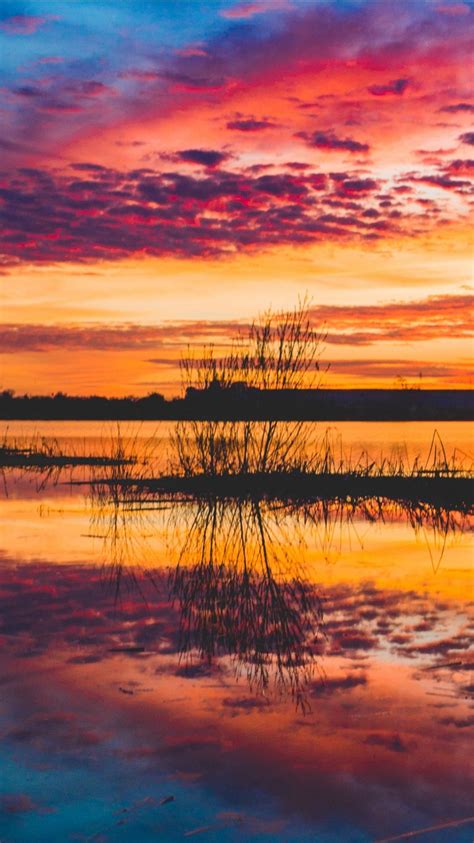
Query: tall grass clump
[[330, 457], [282, 351]]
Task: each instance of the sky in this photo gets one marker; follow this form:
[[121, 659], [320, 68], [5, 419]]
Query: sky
[[170, 170]]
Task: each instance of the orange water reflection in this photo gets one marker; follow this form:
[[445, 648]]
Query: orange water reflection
[[412, 438]]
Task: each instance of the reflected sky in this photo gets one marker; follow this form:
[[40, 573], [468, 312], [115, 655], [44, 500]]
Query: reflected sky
[[232, 671]]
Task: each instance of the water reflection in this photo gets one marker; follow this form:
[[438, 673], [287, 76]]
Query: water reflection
[[335, 520], [238, 572], [95, 691], [241, 592], [237, 578]]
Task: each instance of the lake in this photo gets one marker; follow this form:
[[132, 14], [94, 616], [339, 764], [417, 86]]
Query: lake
[[233, 670]]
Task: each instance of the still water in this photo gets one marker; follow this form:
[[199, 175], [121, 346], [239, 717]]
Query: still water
[[232, 671]]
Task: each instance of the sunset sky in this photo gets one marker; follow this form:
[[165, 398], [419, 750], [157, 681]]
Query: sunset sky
[[170, 169]]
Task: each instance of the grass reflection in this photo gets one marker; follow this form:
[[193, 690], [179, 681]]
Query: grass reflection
[[242, 594]]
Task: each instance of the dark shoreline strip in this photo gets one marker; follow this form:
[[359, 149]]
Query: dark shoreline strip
[[442, 491], [328, 405], [17, 458]]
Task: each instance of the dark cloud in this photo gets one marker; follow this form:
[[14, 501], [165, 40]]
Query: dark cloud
[[330, 141], [245, 704], [458, 108], [87, 167], [395, 87], [351, 639], [357, 187], [250, 125], [281, 185], [105, 213], [195, 670], [392, 742], [298, 165], [330, 685], [467, 137], [27, 91], [444, 182], [206, 157], [442, 647], [460, 167], [458, 722]]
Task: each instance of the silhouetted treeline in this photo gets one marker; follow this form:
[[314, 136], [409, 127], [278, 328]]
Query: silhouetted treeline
[[240, 402]]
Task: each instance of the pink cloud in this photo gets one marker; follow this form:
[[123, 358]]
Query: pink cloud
[[248, 10], [25, 24]]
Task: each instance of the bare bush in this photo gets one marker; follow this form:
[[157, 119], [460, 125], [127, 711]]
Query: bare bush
[[281, 352]]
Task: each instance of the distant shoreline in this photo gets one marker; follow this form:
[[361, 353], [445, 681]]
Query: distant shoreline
[[242, 404]]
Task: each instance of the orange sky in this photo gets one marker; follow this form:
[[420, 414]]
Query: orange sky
[[166, 191]]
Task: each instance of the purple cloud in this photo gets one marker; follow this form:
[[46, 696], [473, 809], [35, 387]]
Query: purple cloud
[[330, 141], [392, 742], [250, 125], [457, 108], [205, 157], [396, 87]]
